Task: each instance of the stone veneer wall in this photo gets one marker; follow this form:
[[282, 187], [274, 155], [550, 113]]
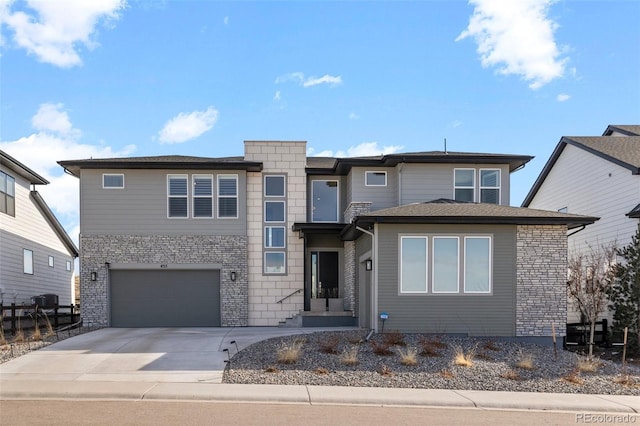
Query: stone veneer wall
[[350, 290], [265, 290], [228, 251], [541, 291]]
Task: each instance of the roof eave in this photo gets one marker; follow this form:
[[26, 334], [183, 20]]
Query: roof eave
[[571, 223], [24, 171], [55, 224], [74, 167]]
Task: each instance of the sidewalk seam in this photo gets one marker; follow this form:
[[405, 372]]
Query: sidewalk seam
[[144, 394], [465, 397], [619, 403], [306, 387]]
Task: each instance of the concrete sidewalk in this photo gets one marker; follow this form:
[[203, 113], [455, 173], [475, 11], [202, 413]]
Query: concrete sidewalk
[[315, 395]]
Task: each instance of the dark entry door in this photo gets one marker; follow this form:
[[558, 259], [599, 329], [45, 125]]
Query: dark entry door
[[325, 274]]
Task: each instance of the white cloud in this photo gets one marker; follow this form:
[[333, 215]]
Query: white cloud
[[365, 149], [226, 20], [54, 30], [277, 96], [56, 139], [353, 116], [187, 126], [456, 123], [517, 38], [299, 78], [562, 97]]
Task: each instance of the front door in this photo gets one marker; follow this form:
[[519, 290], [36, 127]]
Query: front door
[[324, 276]]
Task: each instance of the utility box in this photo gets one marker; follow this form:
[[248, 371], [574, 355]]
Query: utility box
[[45, 301]]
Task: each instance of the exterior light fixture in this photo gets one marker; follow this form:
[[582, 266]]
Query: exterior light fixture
[[233, 275], [94, 275], [368, 265]]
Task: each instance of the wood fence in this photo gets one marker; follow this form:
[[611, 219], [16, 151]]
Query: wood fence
[[25, 317]]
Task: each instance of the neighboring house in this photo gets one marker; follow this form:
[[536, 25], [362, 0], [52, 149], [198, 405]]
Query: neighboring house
[[595, 176], [276, 236], [36, 254]]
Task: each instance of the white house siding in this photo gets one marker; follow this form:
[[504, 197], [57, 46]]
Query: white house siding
[[266, 290], [587, 184], [29, 229]]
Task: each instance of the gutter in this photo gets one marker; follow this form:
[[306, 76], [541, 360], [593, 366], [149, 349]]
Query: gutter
[[57, 227]]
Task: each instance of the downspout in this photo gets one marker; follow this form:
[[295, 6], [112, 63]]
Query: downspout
[[374, 277], [400, 166], [578, 230]]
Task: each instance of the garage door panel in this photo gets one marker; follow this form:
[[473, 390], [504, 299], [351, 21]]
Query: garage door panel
[[164, 298]]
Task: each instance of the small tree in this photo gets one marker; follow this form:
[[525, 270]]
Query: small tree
[[590, 276], [624, 293]]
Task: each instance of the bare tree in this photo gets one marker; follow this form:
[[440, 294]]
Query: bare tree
[[590, 276]]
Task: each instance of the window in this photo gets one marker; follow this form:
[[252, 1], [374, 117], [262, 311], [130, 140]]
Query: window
[[111, 181], [477, 265], [50, 261], [68, 265], [177, 194], [274, 211], [203, 196], [445, 265], [228, 196], [324, 194], [563, 210], [274, 262], [464, 184], [274, 237], [490, 186], [375, 179], [7, 194], [274, 186], [28, 261], [413, 261]]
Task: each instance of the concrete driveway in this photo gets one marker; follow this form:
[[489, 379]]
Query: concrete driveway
[[178, 355]]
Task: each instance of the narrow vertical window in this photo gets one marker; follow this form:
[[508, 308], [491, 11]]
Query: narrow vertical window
[[27, 261], [7, 194], [464, 184], [445, 265], [228, 196], [477, 265], [490, 186], [177, 194], [413, 264], [203, 196], [50, 261], [68, 265]]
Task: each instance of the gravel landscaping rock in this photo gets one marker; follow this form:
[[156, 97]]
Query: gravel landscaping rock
[[494, 366]]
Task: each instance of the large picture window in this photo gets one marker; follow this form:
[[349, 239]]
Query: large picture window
[[228, 196], [413, 265], [203, 196], [324, 206], [177, 196], [477, 265], [7, 194]]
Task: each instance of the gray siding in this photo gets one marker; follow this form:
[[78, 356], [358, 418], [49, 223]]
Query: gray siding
[[381, 197], [420, 182], [140, 208], [492, 314]]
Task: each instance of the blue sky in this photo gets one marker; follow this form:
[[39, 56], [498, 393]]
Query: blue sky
[[112, 78]]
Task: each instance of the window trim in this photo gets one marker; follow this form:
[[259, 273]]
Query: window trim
[[284, 256], [366, 174], [26, 268], [112, 187], [499, 187], [6, 195], [194, 196], [51, 262], [433, 263], [169, 196], [284, 186], [337, 200], [490, 272], [270, 228], [426, 264], [236, 196], [473, 187]]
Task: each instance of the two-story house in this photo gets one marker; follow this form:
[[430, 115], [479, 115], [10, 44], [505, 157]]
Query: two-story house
[[36, 254], [428, 240], [596, 176]]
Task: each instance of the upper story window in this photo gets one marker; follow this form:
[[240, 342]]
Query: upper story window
[[203, 196], [274, 186], [464, 184], [112, 181], [228, 196], [375, 178], [7, 194], [27, 256], [177, 196], [68, 265], [274, 211], [490, 186], [51, 261], [325, 203]]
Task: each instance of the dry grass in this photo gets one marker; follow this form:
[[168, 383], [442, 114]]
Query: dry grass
[[588, 365], [491, 346], [511, 375], [573, 377], [329, 345], [19, 337], [525, 361], [447, 374], [627, 380], [350, 356], [50, 332], [394, 338], [3, 340], [381, 348], [37, 335], [437, 343], [462, 358], [321, 371], [289, 353], [484, 356], [408, 356], [385, 370], [271, 369]]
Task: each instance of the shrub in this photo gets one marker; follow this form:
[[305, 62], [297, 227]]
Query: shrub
[[350, 356], [329, 345], [485, 356], [37, 335], [447, 374], [380, 348], [321, 371], [511, 375], [408, 356], [525, 361], [491, 346], [289, 353], [573, 377], [462, 358], [428, 347], [394, 338], [271, 369], [385, 370], [588, 365]]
